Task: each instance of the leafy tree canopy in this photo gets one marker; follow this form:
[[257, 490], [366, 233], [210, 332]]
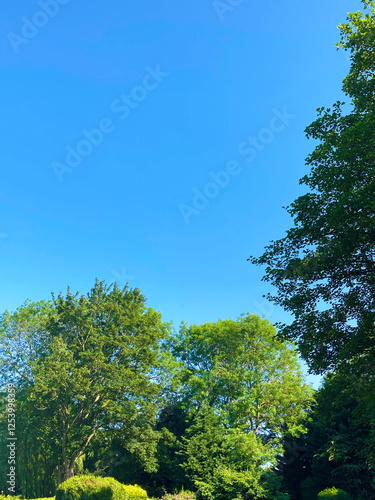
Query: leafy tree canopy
[[86, 366], [324, 268], [339, 449], [240, 368], [245, 388]]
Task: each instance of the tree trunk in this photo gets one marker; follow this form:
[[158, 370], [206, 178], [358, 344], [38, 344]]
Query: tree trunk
[[70, 467], [70, 470], [58, 476]]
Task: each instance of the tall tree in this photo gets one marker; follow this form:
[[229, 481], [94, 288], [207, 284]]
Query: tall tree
[[22, 337], [91, 367], [324, 268], [337, 449], [246, 389]]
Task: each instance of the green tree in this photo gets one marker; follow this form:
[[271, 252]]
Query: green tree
[[21, 344], [344, 432], [336, 449], [172, 424], [224, 463], [90, 368], [324, 268], [246, 390], [113, 458]]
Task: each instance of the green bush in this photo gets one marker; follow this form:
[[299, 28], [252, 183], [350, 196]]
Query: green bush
[[98, 488], [334, 493], [18, 497], [135, 492], [182, 495], [86, 487]]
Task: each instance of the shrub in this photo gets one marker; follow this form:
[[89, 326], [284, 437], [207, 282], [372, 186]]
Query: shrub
[[135, 492], [98, 488], [334, 493], [86, 487], [18, 497], [182, 495]]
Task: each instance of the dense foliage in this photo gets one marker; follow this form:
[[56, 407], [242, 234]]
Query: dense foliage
[[338, 449], [13, 497], [324, 274], [103, 388], [333, 493], [89, 487], [324, 268], [83, 366], [182, 495], [245, 390]]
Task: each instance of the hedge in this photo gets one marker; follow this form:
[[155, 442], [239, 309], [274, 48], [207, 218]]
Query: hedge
[[12, 497], [135, 492], [98, 488], [334, 493]]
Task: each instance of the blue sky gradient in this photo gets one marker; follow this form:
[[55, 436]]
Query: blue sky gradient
[[160, 98]]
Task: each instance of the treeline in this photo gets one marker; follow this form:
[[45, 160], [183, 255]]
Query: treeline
[[104, 386]]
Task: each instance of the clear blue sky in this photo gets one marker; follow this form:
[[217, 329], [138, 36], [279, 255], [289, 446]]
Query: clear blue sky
[[181, 91]]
